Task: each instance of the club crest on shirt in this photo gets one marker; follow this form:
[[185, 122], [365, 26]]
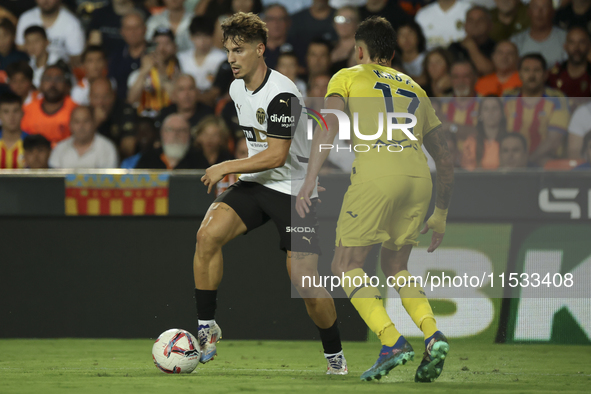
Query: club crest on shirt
[[261, 116], [459, 25]]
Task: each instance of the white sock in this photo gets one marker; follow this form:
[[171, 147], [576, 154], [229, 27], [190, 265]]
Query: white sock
[[209, 323], [332, 355]]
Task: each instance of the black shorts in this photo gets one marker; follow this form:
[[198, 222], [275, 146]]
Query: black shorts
[[256, 204]]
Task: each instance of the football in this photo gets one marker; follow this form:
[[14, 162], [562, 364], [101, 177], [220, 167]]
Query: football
[[176, 351]]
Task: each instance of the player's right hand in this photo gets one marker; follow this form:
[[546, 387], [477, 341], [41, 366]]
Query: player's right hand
[[303, 202], [437, 223]]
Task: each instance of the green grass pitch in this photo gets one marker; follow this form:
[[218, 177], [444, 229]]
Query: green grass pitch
[[125, 366]]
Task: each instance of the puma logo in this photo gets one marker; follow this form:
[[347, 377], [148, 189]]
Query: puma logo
[[351, 213], [286, 102], [308, 239]]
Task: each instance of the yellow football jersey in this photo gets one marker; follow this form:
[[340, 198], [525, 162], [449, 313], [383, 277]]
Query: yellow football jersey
[[371, 90]]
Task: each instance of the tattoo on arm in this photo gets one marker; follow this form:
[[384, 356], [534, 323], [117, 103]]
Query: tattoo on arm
[[436, 144], [300, 255]]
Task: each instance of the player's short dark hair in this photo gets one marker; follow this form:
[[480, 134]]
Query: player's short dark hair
[[93, 49], [421, 40], [36, 29], [379, 36], [517, 136], [535, 56], [586, 142], [20, 67], [36, 141], [7, 25], [245, 27], [10, 98]]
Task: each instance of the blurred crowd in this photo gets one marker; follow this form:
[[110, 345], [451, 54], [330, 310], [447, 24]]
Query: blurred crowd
[[144, 83]]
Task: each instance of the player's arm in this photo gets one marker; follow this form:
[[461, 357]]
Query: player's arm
[[318, 156], [286, 110], [436, 144]]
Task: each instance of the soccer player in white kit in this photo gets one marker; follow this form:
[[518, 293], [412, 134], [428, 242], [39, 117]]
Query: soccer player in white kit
[[269, 111]]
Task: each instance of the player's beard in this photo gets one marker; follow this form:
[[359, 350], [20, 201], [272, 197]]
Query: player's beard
[[175, 151]]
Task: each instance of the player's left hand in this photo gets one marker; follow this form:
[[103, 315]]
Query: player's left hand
[[213, 175]]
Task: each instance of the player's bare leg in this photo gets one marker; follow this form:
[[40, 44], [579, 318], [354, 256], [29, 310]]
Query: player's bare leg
[[348, 264], [220, 225], [395, 265], [303, 270]]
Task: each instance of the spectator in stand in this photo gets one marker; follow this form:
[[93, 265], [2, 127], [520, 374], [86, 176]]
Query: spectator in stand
[[203, 60], [542, 37], [573, 77], [50, 115], [386, 8], [185, 103], [318, 59], [506, 76], [149, 88], [176, 151], [174, 18], [211, 139], [20, 81], [508, 18], [538, 112], [278, 23], [586, 153], [94, 64], [8, 52], [513, 152], [105, 26], [412, 44], [575, 13], [17, 8], [311, 24], [113, 119], [288, 66], [11, 135], [124, 62], [85, 148], [64, 30], [317, 88], [436, 68], [36, 46], [481, 150], [37, 150], [579, 126], [460, 114], [346, 21], [477, 46], [146, 139], [443, 22]]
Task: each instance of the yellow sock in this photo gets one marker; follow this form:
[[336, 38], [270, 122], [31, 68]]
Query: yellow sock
[[416, 303], [368, 302], [428, 327]]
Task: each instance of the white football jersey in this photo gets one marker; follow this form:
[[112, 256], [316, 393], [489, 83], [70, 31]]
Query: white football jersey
[[274, 110]]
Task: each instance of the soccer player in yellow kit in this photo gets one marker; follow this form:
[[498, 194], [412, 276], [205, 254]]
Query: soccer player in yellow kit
[[389, 194]]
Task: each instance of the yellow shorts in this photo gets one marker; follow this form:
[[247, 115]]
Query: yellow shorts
[[388, 210]]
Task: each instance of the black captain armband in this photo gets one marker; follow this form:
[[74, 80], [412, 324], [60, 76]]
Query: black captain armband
[[284, 113]]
